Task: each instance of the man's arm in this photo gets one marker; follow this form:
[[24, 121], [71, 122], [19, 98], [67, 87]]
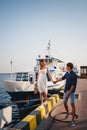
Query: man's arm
[[58, 80], [70, 91]]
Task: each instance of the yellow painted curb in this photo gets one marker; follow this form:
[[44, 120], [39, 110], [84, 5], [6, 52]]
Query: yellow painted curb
[[32, 121], [49, 106], [42, 111], [54, 100], [57, 97]]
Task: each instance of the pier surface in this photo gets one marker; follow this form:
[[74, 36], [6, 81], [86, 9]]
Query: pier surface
[[81, 110]]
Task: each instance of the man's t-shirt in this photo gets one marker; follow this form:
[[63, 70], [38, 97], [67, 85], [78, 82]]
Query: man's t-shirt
[[71, 80]]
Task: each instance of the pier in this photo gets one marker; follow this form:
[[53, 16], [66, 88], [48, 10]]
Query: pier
[[81, 110]]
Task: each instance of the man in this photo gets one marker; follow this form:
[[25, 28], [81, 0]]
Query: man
[[69, 91]]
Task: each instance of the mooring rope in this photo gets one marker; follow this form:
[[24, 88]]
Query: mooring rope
[[21, 101], [33, 106], [60, 120]]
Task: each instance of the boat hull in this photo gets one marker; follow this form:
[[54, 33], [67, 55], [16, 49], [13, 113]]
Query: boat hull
[[25, 91], [33, 98], [16, 86], [30, 95], [17, 92], [20, 86], [18, 96]]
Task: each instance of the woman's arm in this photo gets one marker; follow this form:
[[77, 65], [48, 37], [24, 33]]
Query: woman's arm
[[52, 79], [49, 75]]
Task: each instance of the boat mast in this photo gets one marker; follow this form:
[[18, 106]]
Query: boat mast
[[49, 48]]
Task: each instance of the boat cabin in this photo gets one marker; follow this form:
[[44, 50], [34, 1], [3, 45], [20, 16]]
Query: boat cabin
[[54, 65], [24, 76]]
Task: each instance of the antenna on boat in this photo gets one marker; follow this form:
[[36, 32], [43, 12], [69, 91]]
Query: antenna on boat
[[49, 48], [11, 62]]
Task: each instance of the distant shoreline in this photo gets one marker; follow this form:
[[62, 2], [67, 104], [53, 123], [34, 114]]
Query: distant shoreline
[[2, 73], [6, 73]]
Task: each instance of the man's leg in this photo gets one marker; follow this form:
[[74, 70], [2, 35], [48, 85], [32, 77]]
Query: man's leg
[[65, 103], [72, 98], [73, 111], [66, 108]]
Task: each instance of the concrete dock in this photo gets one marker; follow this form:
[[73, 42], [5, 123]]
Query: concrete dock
[[81, 110]]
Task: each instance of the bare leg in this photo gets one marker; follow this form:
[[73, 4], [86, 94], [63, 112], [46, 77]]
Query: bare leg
[[73, 111], [66, 107], [45, 96], [41, 98]]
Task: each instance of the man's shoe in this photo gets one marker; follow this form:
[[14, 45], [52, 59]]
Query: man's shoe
[[72, 124]]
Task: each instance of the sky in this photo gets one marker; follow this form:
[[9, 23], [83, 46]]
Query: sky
[[26, 26]]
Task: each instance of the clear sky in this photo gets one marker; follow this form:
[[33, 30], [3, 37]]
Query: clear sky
[[27, 25]]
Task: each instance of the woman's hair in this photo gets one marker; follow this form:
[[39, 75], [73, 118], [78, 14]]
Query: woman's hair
[[42, 60]]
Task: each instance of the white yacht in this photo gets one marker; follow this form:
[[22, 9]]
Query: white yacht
[[23, 86]]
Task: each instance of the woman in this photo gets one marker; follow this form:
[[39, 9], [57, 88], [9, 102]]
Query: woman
[[42, 80]]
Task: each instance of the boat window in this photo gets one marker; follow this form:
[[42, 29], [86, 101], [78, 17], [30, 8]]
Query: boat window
[[25, 77], [49, 61], [18, 76]]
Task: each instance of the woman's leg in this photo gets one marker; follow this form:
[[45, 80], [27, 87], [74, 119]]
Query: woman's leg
[[45, 96], [41, 98]]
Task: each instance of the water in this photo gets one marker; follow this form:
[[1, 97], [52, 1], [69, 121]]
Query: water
[[4, 96]]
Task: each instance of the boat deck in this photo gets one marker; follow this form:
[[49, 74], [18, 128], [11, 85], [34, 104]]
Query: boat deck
[[81, 110]]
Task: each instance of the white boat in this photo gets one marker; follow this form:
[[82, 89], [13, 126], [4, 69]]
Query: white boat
[[23, 86], [23, 82]]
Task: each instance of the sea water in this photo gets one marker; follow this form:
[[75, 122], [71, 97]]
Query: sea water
[[4, 96]]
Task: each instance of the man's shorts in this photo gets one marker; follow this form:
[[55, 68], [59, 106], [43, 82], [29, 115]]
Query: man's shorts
[[72, 97]]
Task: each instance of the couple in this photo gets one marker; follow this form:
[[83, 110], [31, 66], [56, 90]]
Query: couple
[[70, 86]]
